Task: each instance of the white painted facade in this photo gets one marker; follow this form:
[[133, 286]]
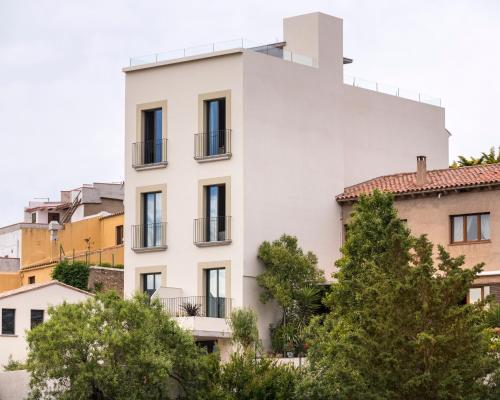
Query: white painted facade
[[25, 299], [299, 136]]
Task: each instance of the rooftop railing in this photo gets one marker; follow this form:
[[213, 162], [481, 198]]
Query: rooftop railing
[[392, 90], [274, 50]]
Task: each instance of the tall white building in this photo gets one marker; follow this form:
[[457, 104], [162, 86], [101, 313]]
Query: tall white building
[[237, 145]]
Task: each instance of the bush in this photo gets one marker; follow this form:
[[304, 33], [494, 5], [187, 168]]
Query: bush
[[108, 265], [243, 323], [75, 274], [13, 365]]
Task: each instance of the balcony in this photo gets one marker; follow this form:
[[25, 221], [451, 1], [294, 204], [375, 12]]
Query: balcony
[[149, 237], [149, 154], [213, 231], [212, 146]]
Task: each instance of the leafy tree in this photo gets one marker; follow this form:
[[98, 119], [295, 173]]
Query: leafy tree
[[243, 323], [486, 158], [396, 329], [292, 279], [109, 348], [75, 274]]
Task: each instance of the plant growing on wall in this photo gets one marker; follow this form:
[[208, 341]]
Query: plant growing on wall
[[75, 274]]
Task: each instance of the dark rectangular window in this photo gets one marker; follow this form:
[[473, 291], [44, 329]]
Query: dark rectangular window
[[470, 228], [119, 234], [31, 280], [8, 321], [53, 217], [215, 212], [36, 318], [215, 280], [215, 126], [152, 120], [151, 214], [33, 218], [151, 282]]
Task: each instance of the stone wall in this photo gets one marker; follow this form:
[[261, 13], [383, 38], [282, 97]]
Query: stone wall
[[108, 278]]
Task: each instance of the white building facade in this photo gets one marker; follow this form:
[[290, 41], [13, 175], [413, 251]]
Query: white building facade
[[228, 149]]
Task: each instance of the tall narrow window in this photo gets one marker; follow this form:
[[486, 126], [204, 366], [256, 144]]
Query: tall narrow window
[[215, 212], [151, 282], [33, 218], [470, 228], [215, 112], [216, 292], [152, 234], [36, 318], [119, 235], [153, 136], [8, 321]]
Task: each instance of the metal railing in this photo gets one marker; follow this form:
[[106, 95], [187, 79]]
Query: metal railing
[[275, 50], [212, 144], [197, 306], [392, 90], [215, 229], [149, 235], [150, 152]]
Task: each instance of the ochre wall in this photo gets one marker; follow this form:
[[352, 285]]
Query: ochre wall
[[9, 281], [42, 274]]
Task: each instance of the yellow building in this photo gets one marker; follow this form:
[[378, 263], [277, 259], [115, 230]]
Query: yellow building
[[96, 241]]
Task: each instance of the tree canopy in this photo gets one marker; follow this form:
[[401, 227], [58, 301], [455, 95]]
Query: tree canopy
[[397, 328], [75, 274], [490, 157]]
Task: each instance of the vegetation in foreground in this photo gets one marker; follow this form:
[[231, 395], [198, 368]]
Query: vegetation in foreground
[[485, 158]]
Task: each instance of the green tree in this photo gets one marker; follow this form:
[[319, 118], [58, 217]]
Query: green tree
[[291, 278], [486, 158], [396, 329], [75, 274], [110, 348], [243, 323]]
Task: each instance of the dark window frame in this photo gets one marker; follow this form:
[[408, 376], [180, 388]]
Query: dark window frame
[[36, 318], [464, 227], [53, 217], [10, 324], [220, 222], [215, 307], [151, 137], [145, 280], [31, 280], [118, 235], [215, 141], [33, 217], [157, 218]]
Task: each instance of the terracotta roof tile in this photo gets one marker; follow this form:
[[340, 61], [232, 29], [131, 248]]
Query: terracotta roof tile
[[439, 179]]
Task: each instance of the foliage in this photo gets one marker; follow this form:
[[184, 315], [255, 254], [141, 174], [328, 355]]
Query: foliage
[[486, 158], [243, 323], [13, 365], [75, 274], [191, 310], [109, 265], [396, 329], [109, 348], [292, 279], [492, 318]]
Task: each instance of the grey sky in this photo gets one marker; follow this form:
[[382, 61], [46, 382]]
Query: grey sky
[[62, 93]]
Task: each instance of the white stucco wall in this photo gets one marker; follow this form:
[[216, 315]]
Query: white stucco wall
[[38, 299], [10, 242]]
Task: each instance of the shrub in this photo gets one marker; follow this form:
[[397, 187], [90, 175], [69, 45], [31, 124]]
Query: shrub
[[243, 323], [13, 365], [75, 274]]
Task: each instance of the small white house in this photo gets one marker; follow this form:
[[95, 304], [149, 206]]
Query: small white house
[[25, 307]]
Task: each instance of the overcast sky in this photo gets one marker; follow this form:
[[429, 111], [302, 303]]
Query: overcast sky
[[62, 89]]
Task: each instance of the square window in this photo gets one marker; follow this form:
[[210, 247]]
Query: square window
[[31, 280]]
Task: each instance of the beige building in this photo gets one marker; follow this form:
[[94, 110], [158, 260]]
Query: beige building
[[457, 208], [229, 146]]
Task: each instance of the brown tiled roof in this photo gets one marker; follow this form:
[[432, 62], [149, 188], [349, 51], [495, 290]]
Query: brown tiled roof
[[438, 179]]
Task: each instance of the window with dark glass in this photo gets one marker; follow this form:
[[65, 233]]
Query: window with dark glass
[[470, 228], [151, 204], [151, 282], [209, 345], [119, 235], [31, 280], [215, 280], [53, 217], [153, 136], [215, 126], [33, 218], [8, 321], [215, 212], [36, 318]]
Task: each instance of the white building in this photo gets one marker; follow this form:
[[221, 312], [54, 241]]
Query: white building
[[26, 307], [239, 145]]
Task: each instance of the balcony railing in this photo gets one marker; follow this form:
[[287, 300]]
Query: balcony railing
[[149, 153], [210, 231], [149, 236], [212, 145], [197, 306]]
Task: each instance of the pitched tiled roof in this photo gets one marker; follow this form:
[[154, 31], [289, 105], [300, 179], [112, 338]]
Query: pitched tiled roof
[[439, 179], [34, 286]]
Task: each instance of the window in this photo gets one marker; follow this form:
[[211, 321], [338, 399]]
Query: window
[[152, 228], [31, 280], [470, 228], [215, 280], [53, 217], [119, 235], [33, 218], [210, 346], [8, 321], [215, 126], [477, 294], [215, 213], [151, 282], [152, 136], [36, 318]]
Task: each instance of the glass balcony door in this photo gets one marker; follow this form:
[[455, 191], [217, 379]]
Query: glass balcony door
[[152, 234], [216, 293], [215, 126], [215, 213], [153, 136]]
